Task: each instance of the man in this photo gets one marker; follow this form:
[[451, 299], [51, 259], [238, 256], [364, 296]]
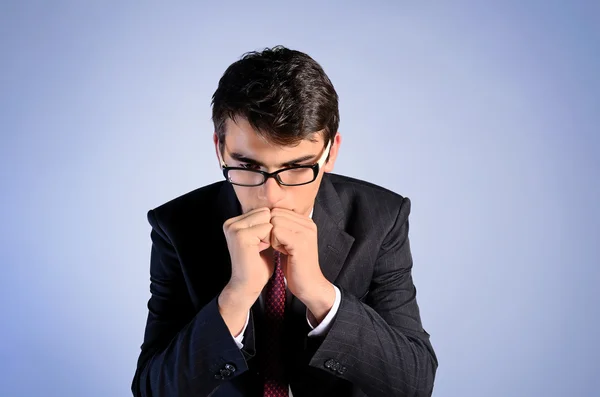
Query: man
[[284, 279]]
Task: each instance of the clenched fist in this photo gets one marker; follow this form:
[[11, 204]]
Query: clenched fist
[[248, 239]]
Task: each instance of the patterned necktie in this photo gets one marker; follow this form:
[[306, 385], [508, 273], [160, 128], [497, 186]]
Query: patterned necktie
[[275, 384]]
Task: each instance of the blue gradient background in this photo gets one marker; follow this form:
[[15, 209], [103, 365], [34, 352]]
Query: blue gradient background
[[487, 117]]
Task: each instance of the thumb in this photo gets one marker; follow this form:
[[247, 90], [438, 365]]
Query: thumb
[[263, 235]]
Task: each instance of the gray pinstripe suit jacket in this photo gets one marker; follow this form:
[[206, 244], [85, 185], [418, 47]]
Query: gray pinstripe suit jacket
[[376, 345]]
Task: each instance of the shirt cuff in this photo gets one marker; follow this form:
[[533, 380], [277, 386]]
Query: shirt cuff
[[325, 325], [238, 339]]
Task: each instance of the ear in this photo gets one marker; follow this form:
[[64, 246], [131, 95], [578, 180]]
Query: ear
[[216, 142], [333, 153]]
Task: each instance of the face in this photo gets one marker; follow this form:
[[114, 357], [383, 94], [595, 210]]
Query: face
[[242, 139]]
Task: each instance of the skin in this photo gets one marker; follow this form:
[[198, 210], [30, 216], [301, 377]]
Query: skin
[[274, 217]]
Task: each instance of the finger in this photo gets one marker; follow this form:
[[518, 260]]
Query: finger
[[292, 224], [300, 219], [247, 214], [281, 240], [291, 213], [251, 218], [258, 235]]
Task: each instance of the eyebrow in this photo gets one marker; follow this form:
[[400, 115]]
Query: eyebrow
[[244, 159]]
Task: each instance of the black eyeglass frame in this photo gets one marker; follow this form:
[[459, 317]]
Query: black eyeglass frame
[[266, 175]]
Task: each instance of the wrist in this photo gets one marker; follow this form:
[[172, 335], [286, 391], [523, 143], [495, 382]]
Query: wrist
[[235, 300], [320, 302], [234, 308]]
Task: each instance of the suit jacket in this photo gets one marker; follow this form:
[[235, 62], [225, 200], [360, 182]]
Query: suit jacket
[[376, 345]]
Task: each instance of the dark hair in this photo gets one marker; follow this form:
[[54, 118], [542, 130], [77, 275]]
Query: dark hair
[[284, 94]]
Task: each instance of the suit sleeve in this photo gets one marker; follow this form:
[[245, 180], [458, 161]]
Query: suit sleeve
[[380, 345], [183, 353]]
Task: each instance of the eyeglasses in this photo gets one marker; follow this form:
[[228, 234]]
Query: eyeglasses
[[291, 176]]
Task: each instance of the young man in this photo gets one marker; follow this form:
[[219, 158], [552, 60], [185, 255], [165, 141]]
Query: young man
[[284, 279]]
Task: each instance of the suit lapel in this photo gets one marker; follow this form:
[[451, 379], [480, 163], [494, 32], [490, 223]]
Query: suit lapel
[[334, 243]]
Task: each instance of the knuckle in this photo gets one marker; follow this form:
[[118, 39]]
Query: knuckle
[[240, 233]]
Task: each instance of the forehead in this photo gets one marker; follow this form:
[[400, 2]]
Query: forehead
[[240, 136]]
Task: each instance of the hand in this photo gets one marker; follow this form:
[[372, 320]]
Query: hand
[[295, 236], [248, 236]]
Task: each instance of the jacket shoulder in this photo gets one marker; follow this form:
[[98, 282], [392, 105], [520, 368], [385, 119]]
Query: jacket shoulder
[[367, 203], [346, 185], [186, 205]]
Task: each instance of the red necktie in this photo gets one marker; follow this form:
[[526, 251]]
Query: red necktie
[[275, 384]]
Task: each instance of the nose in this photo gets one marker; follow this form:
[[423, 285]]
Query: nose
[[271, 192]]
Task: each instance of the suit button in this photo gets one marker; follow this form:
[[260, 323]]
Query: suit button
[[342, 370], [225, 372], [329, 363]]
